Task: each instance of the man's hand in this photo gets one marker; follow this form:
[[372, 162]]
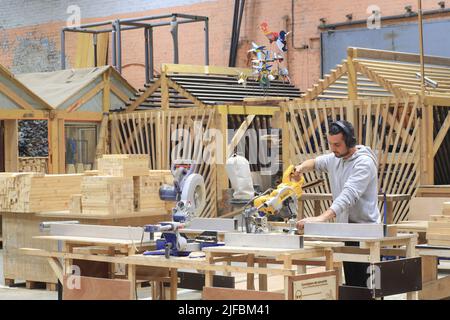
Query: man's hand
[[327, 215], [298, 172], [301, 223]]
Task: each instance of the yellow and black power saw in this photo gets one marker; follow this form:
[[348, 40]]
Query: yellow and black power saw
[[282, 201]]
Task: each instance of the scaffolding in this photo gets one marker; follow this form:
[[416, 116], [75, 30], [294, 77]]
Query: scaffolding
[[148, 23]]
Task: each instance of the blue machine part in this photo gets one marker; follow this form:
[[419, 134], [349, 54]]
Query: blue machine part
[[168, 193]]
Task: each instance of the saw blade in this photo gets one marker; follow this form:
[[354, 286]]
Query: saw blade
[[194, 193]]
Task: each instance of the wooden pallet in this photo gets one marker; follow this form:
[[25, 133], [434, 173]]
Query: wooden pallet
[[32, 284]]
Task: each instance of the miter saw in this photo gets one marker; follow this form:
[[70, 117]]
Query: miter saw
[[282, 201], [189, 193]]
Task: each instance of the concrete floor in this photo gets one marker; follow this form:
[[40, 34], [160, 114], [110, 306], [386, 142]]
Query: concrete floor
[[276, 283]]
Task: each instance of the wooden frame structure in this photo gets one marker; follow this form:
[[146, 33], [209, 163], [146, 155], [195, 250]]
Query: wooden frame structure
[[170, 135], [368, 73], [93, 92]]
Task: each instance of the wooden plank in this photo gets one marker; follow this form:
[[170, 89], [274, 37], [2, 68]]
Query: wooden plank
[[182, 68], [86, 97], [267, 240], [19, 101], [211, 293], [362, 230], [11, 135], [155, 86], [185, 93], [436, 290], [441, 135], [239, 135], [96, 289], [398, 56], [422, 208]]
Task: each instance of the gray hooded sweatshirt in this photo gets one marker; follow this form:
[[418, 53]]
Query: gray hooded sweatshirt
[[354, 185]]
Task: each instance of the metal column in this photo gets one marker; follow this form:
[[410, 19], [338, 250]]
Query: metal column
[[174, 32], [207, 42], [63, 49], [119, 47]]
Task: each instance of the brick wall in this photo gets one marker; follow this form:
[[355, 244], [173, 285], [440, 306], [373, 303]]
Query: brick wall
[[30, 31]]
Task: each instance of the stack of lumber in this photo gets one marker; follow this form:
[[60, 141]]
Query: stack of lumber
[[107, 195], [122, 186], [439, 228], [33, 164], [36, 192], [124, 165], [146, 189]]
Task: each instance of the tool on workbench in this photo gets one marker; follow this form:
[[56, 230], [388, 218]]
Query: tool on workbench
[[189, 192], [282, 201]]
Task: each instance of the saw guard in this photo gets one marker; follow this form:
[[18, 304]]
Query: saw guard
[[194, 193]]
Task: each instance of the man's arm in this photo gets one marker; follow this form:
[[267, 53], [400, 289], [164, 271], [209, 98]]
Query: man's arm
[[305, 166]]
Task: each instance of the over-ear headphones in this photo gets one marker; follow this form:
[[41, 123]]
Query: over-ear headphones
[[350, 140]]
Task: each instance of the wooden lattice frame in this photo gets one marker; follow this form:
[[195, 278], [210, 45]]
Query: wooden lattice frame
[[396, 128], [153, 132]]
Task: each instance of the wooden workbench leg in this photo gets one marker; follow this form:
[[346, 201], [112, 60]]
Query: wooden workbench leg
[[227, 273], [111, 266], [209, 275], [132, 276], [410, 253], [262, 278], [329, 262], [339, 267], [250, 276], [374, 252], [173, 283], [374, 257], [287, 265]]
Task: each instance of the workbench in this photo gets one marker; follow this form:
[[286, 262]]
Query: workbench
[[371, 250], [432, 287], [20, 230], [418, 227], [124, 252], [318, 197], [268, 260]]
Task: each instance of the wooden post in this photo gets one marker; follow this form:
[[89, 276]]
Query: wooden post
[[280, 122], [164, 91], [221, 125], [426, 146], [107, 91], [56, 144], [352, 88], [251, 276], [11, 145]]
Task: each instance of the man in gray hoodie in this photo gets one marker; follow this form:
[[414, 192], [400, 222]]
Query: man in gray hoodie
[[352, 170]]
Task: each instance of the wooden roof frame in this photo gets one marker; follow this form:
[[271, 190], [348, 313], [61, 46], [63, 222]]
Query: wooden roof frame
[[165, 83], [371, 63]]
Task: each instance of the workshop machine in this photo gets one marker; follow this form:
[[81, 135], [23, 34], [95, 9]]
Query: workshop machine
[[189, 193], [282, 201]]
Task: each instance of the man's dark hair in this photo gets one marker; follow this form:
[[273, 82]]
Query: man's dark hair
[[347, 130]]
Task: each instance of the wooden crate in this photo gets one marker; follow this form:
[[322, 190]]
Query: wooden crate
[[19, 231], [107, 195], [124, 165], [36, 192]]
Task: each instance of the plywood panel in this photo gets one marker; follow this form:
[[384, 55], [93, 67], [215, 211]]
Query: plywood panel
[[96, 289]]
